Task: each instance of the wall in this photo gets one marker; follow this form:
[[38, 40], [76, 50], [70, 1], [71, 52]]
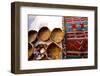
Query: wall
[[5, 42]]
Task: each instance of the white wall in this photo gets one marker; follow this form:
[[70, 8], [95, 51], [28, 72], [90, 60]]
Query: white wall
[[5, 42]]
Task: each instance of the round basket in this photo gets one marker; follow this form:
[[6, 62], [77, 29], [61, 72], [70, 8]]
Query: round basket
[[54, 51], [57, 35], [30, 50], [32, 34], [44, 34]]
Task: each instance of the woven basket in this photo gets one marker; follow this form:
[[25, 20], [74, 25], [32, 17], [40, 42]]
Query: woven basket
[[57, 35], [54, 51], [30, 50], [44, 34], [32, 34]]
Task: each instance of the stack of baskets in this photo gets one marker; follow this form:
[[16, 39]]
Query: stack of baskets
[[45, 44]]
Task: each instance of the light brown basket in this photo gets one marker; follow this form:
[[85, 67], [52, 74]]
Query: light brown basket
[[57, 35], [32, 34], [30, 50], [44, 34], [54, 51]]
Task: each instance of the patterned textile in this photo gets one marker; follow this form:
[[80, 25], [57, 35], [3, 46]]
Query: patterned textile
[[76, 37]]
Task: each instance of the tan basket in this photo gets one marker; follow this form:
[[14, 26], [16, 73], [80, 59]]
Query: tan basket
[[54, 51], [44, 34], [30, 50], [57, 35], [32, 36]]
